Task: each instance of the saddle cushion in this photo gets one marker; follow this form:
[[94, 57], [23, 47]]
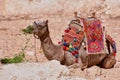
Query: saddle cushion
[[94, 35], [72, 38]]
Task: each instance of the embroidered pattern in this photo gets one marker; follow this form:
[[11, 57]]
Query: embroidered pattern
[[72, 39], [94, 35]]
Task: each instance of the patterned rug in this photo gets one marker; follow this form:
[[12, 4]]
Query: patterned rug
[[73, 38], [94, 35]]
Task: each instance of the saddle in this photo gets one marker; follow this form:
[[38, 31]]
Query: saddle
[[72, 37], [94, 35], [89, 31]]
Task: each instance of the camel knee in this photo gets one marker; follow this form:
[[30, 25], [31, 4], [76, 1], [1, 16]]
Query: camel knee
[[108, 62]]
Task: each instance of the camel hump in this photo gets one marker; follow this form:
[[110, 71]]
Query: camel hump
[[94, 35]]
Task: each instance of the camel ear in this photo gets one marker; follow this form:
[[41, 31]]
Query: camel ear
[[35, 23], [46, 21]]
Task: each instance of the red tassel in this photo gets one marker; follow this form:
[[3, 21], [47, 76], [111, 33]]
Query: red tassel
[[66, 31], [64, 47], [73, 53], [76, 60], [114, 54]]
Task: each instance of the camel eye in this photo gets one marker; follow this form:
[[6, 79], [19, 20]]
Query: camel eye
[[40, 27]]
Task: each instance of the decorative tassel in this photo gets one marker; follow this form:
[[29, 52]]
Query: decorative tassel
[[64, 47], [73, 53], [76, 55], [76, 60], [70, 50], [64, 43], [76, 51], [77, 31], [114, 54], [66, 31], [73, 49], [67, 48], [76, 48], [74, 39], [70, 46]]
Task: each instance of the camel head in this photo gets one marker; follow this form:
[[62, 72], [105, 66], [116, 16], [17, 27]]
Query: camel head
[[40, 29]]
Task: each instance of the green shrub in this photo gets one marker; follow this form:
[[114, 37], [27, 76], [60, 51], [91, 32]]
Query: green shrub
[[17, 59], [20, 57], [28, 30]]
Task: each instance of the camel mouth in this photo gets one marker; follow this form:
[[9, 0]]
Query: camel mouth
[[28, 30]]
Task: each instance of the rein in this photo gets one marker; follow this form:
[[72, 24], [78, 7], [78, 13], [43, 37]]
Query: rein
[[42, 38]]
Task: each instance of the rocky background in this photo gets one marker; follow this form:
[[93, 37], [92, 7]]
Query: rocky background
[[18, 14]]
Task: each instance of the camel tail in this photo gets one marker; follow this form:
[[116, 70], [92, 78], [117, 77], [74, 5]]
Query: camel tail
[[111, 42]]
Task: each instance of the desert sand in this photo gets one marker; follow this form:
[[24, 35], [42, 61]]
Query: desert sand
[[16, 15]]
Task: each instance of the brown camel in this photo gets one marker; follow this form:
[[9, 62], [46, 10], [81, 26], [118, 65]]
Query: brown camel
[[56, 52]]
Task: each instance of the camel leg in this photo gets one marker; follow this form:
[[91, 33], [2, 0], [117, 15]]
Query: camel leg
[[78, 65], [108, 46], [108, 62]]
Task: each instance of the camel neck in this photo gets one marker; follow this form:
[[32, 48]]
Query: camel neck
[[46, 40], [48, 47]]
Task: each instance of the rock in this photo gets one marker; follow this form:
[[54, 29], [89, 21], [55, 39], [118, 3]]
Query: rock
[[32, 71], [71, 78], [97, 78], [117, 65], [93, 72]]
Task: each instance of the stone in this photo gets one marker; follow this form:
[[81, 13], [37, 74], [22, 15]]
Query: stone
[[32, 71], [71, 78]]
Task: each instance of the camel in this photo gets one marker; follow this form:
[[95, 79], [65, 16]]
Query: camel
[[56, 52]]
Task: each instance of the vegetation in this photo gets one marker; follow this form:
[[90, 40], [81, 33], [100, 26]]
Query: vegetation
[[16, 59], [20, 57], [28, 30]]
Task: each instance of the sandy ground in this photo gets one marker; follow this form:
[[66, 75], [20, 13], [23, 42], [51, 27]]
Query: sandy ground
[[16, 15]]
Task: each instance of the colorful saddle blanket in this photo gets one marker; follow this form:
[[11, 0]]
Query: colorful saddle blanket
[[94, 35], [73, 37]]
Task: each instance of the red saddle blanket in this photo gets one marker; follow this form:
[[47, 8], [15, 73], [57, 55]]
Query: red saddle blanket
[[94, 35], [73, 35], [73, 38]]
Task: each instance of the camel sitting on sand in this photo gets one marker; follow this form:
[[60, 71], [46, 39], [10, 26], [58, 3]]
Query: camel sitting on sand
[[56, 52]]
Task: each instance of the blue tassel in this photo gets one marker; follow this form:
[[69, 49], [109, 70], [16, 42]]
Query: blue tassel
[[76, 55], [64, 43], [74, 39], [77, 31], [76, 48]]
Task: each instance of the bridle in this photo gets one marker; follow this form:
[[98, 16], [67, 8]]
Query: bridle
[[42, 38]]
